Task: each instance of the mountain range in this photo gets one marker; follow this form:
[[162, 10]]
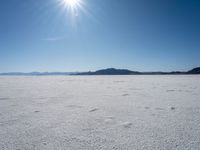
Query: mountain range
[[113, 71], [109, 71]]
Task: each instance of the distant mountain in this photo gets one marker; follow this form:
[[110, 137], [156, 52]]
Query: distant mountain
[[111, 71], [194, 71]]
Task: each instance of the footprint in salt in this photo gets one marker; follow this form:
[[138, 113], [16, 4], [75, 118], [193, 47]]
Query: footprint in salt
[[147, 107], [170, 90], [172, 108], [125, 95], [127, 124], [93, 110], [3, 98]]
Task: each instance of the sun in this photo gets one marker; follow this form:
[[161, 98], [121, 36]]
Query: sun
[[72, 8], [71, 3]]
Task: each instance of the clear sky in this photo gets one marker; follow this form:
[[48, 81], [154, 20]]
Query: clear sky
[[142, 35]]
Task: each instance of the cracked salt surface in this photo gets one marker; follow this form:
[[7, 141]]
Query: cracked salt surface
[[73, 113]]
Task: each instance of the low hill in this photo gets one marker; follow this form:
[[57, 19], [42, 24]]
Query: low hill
[[194, 71], [111, 71]]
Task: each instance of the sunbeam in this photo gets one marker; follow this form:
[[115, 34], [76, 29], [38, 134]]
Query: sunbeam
[[71, 6]]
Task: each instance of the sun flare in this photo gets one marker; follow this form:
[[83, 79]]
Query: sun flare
[[73, 9], [71, 3]]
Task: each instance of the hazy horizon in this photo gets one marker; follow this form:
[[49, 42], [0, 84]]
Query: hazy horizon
[[96, 70]]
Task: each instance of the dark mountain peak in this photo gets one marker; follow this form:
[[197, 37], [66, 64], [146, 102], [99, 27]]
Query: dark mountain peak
[[111, 71], [114, 71], [194, 71]]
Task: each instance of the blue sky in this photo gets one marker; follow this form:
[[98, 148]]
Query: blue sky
[[142, 35]]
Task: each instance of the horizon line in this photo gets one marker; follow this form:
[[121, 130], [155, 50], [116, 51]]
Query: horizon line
[[42, 72]]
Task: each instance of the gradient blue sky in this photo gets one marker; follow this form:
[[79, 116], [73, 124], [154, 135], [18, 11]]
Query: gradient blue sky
[[142, 35]]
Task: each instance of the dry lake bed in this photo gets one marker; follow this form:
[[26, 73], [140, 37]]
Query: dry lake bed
[[100, 112]]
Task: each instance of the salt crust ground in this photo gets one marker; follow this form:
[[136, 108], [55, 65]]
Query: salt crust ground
[[100, 112]]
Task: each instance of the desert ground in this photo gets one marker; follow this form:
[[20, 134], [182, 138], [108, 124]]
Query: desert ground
[[100, 112]]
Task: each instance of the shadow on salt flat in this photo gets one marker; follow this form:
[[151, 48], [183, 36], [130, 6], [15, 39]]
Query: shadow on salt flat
[[125, 94], [187, 91], [3, 98], [170, 90], [173, 108], [93, 110], [159, 108]]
